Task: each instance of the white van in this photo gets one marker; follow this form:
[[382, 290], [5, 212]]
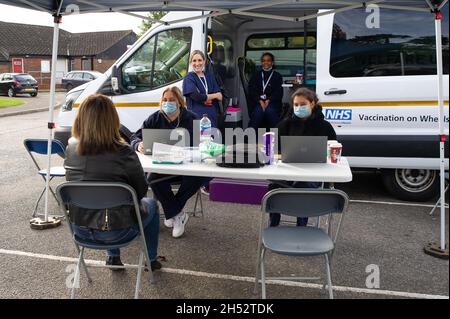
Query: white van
[[377, 85]]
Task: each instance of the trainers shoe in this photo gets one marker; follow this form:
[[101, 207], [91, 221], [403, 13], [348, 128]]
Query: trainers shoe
[[179, 223], [204, 190], [114, 261], [168, 222]]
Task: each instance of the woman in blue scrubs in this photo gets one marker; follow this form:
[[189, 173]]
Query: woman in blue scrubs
[[172, 114], [201, 89], [266, 92]]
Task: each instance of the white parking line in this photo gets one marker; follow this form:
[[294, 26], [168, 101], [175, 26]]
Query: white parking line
[[236, 278], [389, 203]]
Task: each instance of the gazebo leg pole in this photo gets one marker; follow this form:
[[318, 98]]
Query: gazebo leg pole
[[38, 223]]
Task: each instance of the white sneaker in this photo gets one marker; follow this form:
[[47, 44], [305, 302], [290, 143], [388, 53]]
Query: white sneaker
[[168, 222], [204, 190], [178, 224]]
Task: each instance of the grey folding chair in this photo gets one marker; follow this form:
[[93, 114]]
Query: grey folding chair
[[99, 196], [300, 241], [39, 146]]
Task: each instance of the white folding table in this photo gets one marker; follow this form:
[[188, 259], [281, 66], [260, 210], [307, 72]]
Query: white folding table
[[279, 171]]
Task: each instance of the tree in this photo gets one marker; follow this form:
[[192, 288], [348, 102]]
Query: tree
[[147, 24]]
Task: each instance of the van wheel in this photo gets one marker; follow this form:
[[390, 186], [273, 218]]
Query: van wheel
[[417, 185]]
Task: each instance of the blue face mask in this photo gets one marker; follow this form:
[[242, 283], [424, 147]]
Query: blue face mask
[[169, 108], [302, 111]]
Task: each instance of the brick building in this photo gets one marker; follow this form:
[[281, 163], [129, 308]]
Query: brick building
[[28, 48]]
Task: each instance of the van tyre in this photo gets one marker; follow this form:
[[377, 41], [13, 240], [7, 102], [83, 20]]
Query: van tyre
[[33, 94], [417, 185]]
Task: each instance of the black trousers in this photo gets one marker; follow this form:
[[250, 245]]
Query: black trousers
[[173, 203], [276, 217]]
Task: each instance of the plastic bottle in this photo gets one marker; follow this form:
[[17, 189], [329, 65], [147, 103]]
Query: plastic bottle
[[205, 129], [299, 78]]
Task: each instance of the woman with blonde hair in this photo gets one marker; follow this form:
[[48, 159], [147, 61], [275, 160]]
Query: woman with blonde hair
[[172, 114], [97, 152], [201, 89]]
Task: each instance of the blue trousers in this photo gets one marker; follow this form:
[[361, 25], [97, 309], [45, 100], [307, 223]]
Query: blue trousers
[[275, 217], [211, 111], [150, 225], [172, 203], [271, 116]]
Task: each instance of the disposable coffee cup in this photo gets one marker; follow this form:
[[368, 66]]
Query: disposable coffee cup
[[329, 143], [335, 152]]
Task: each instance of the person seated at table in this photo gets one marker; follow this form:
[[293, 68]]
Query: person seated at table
[[266, 94], [304, 118], [172, 114], [97, 152]]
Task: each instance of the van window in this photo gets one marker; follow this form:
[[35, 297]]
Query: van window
[[162, 60], [293, 52], [404, 44]]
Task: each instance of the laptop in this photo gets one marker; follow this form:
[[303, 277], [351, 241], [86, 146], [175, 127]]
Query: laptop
[[151, 136], [304, 149]]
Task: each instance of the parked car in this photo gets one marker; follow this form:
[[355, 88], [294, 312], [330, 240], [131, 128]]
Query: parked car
[[76, 78], [18, 83]]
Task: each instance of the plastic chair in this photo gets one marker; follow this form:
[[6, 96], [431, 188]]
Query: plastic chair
[[100, 196], [438, 203], [300, 241], [39, 146]]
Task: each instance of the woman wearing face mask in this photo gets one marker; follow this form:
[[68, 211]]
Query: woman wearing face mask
[[305, 118], [201, 89], [266, 94], [172, 114]]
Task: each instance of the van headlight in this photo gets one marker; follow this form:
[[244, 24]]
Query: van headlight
[[70, 99]]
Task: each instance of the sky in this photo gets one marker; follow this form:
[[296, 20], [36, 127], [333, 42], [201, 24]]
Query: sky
[[90, 22]]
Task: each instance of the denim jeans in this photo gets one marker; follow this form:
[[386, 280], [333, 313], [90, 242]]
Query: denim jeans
[[276, 217], [150, 224]]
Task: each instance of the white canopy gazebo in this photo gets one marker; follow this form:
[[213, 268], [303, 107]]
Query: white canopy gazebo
[[276, 9]]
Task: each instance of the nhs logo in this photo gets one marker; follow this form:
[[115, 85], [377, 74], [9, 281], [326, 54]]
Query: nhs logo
[[338, 114]]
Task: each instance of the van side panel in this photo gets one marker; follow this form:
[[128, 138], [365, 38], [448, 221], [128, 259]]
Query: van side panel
[[379, 114]]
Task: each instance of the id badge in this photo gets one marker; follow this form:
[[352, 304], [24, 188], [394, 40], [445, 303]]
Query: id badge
[[263, 97]]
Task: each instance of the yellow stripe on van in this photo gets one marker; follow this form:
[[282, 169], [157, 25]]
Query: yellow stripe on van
[[381, 103], [129, 104], [324, 104]]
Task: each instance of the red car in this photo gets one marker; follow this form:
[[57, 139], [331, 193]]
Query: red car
[[18, 83]]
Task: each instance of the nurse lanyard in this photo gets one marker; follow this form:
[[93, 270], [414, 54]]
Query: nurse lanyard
[[205, 85], [264, 84]]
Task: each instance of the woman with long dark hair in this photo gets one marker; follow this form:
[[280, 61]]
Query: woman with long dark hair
[[304, 118]]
